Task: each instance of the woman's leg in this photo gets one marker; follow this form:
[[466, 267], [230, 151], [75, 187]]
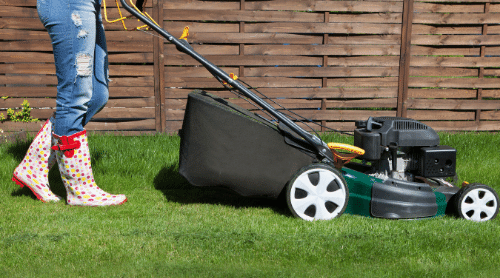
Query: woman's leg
[[100, 81], [33, 171], [72, 27], [81, 65]]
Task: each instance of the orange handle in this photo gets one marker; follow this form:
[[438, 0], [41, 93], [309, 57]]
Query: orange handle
[[346, 147]]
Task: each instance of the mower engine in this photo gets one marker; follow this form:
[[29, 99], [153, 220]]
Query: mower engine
[[403, 149]]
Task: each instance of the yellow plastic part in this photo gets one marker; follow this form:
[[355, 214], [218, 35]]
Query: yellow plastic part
[[346, 147], [185, 33], [123, 18], [233, 76]]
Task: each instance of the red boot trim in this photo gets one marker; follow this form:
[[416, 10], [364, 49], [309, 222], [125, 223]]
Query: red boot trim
[[40, 131], [17, 181], [68, 144], [122, 201], [22, 184]]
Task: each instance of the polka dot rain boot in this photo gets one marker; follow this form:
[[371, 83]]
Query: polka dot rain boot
[[73, 158], [33, 171]]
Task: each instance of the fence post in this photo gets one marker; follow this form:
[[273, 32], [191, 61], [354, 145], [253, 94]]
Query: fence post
[[404, 58], [159, 70], [324, 83], [242, 45], [481, 69]]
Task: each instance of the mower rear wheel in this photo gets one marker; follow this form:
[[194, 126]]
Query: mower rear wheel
[[476, 202], [317, 192]]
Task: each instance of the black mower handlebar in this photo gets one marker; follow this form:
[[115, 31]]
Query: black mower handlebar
[[321, 147]]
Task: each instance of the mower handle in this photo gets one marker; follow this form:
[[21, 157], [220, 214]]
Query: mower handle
[[321, 147]]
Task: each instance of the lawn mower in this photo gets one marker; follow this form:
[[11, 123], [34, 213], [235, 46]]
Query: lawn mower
[[400, 169]]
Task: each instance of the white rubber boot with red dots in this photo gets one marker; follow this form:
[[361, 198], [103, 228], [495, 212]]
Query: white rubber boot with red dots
[[73, 158], [33, 171]]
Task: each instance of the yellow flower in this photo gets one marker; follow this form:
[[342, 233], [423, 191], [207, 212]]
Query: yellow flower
[[86, 196]]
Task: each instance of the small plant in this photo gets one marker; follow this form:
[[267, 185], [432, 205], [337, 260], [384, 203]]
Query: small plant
[[22, 116]]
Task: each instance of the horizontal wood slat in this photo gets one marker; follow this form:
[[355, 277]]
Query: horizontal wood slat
[[147, 124], [447, 104], [292, 5], [450, 40], [455, 82], [309, 93], [297, 71]]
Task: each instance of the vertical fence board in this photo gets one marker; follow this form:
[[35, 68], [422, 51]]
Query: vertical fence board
[[404, 60], [159, 68]]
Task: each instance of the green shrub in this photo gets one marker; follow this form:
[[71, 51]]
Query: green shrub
[[22, 116]]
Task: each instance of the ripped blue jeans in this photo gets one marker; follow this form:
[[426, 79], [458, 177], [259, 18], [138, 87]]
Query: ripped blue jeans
[[81, 59]]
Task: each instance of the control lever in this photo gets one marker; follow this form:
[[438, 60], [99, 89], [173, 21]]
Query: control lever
[[369, 124]]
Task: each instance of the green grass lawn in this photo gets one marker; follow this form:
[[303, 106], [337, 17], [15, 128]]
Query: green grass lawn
[[171, 229]]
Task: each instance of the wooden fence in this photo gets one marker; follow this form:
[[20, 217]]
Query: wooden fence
[[331, 61]]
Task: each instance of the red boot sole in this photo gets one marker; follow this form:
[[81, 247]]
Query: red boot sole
[[22, 184]]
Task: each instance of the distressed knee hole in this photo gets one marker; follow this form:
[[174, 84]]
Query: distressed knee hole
[[82, 34], [77, 20], [84, 65]]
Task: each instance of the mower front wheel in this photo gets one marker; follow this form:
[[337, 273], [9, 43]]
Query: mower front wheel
[[317, 192], [476, 202]]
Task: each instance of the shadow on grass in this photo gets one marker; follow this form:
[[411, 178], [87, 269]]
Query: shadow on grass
[[18, 151], [176, 189]]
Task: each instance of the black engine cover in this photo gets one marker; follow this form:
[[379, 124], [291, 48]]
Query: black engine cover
[[381, 135], [375, 134]]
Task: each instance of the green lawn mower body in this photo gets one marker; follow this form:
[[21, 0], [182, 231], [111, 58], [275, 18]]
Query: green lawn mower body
[[224, 145], [372, 197]]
